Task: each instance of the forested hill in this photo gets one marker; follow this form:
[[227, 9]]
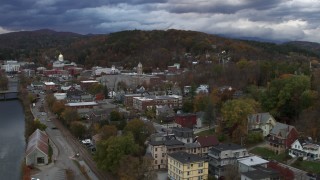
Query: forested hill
[[153, 48]]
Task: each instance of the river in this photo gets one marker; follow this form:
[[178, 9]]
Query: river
[[12, 142]]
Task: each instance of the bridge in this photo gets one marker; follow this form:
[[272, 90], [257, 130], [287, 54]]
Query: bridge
[[12, 92]]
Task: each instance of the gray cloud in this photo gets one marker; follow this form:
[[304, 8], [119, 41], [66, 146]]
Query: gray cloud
[[273, 19]]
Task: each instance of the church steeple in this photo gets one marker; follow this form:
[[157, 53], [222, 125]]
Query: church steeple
[[139, 69]]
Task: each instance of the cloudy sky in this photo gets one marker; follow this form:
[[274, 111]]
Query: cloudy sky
[[266, 19]]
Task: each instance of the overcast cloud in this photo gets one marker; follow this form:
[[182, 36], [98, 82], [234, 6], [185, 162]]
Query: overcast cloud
[[267, 19]]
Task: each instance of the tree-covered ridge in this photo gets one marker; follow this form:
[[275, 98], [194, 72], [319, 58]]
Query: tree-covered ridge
[[154, 49]]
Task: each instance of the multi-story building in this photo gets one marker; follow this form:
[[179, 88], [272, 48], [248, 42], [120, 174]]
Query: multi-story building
[[224, 154], [186, 120], [185, 166], [162, 145], [281, 137], [142, 103], [261, 121], [206, 142]]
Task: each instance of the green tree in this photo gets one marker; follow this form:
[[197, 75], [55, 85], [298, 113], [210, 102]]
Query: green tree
[[115, 116], [129, 168], [209, 114], [69, 115], [235, 113], [50, 99], [106, 92], [139, 129], [3, 81], [151, 113], [285, 95], [95, 89], [108, 131], [187, 106], [58, 107], [78, 129], [110, 152]]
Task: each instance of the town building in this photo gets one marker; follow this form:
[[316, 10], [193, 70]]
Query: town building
[[281, 137], [184, 135], [186, 120], [185, 166], [11, 66], [50, 86], [160, 146], [261, 122], [142, 103], [61, 63], [82, 105], [206, 143], [98, 71], [305, 148], [37, 151], [250, 163], [224, 154]]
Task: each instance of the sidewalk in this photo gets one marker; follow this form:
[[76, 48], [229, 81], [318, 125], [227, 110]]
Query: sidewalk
[[91, 175]]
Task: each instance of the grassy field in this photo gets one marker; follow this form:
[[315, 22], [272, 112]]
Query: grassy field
[[206, 132], [268, 154], [309, 166]]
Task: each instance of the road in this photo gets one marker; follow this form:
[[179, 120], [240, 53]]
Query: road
[[63, 153]]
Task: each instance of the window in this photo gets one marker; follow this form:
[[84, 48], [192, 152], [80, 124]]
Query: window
[[156, 155], [155, 162], [200, 171], [40, 160], [188, 173], [200, 164], [161, 161], [200, 178], [191, 165], [163, 154], [155, 149]]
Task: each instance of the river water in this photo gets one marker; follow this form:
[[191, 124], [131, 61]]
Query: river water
[[12, 142]]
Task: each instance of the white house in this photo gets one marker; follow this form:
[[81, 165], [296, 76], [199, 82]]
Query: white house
[[261, 121], [38, 149], [305, 148]]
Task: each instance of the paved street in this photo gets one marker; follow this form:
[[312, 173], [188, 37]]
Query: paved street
[[63, 153]]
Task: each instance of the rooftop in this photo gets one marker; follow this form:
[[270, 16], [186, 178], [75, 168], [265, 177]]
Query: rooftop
[[184, 157], [227, 146], [252, 161], [49, 83], [82, 104]]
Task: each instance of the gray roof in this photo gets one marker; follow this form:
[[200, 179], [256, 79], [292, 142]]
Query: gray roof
[[192, 145], [284, 129], [226, 146], [262, 117], [184, 157], [167, 142], [261, 173]]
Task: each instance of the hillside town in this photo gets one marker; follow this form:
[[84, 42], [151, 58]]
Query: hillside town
[[115, 123]]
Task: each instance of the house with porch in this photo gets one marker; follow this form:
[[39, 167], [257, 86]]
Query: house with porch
[[281, 137], [305, 148], [263, 122]]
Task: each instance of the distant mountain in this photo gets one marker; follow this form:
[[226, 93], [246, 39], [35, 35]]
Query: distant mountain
[[154, 49], [310, 46]]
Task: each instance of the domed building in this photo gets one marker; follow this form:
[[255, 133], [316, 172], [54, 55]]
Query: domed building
[[61, 63]]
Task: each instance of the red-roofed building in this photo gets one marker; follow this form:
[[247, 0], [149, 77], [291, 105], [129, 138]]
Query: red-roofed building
[[207, 142], [186, 120], [38, 149]]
